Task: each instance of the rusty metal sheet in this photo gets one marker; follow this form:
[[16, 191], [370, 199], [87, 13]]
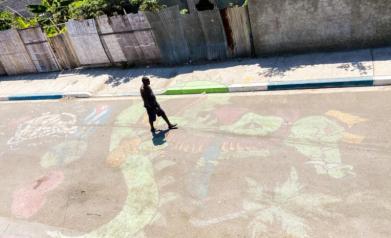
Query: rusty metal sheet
[[2, 70], [238, 31], [64, 52]]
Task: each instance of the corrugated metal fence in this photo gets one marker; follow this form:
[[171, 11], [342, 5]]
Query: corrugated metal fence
[[166, 37], [39, 49], [87, 43], [13, 54], [2, 70], [128, 39], [63, 49]]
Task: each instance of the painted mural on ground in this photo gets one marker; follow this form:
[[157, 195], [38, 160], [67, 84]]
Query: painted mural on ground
[[225, 164], [267, 207], [46, 125]]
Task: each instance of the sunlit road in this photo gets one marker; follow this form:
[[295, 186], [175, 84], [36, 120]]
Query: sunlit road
[[286, 164]]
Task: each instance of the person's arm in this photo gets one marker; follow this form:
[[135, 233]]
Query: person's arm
[[152, 98]]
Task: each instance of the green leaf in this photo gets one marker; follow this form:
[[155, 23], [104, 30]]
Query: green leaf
[[37, 9]]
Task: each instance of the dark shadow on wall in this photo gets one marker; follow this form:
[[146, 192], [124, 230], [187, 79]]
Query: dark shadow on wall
[[205, 5]]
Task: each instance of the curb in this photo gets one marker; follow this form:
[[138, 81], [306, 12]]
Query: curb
[[182, 91], [234, 88], [78, 94], [45, 96], [322, 83], [366, 81], [382, 80], [271, 86]]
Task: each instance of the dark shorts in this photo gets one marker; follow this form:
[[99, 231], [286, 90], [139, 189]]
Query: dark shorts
[[153, 112]]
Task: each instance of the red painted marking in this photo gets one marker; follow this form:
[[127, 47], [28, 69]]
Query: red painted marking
[[229, 115], [27, 201]]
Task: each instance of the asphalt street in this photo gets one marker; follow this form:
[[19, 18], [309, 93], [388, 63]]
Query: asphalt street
[[298, 164]]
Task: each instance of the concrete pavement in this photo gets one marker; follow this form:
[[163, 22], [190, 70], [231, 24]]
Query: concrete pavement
[[313, 163], [235, 75]]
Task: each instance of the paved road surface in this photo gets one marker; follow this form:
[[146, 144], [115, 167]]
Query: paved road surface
[[286, 164]]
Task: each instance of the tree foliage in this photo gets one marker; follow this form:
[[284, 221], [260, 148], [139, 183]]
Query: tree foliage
[[84, 9], [148, 5], [53, 14], [6, 20], [9, 20]]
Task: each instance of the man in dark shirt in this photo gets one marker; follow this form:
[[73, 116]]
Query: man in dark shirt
[[152, 106]]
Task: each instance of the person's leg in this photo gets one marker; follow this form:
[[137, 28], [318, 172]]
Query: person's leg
[[165, 118], [152, 118], [152, 126]]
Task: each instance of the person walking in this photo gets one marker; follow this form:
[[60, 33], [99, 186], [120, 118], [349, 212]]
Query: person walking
[[152, 106]]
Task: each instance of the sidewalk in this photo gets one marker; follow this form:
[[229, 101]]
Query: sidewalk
[[353, 68]]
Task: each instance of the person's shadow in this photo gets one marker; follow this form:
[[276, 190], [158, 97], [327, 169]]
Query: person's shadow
[[159, 137]]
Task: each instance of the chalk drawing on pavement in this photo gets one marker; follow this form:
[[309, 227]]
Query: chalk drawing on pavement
[[75, 147], [134, 154], [280, 206], [200, 109], [346, 118], [253, 124], [64, 153], [45, 125], [27, 201], [134, 158], [140, 206], [98, 116], [213, 221], [206, 166], [352, 138], [317, 138]]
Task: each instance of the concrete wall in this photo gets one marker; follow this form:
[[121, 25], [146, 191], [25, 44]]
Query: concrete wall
[[287, 26]]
